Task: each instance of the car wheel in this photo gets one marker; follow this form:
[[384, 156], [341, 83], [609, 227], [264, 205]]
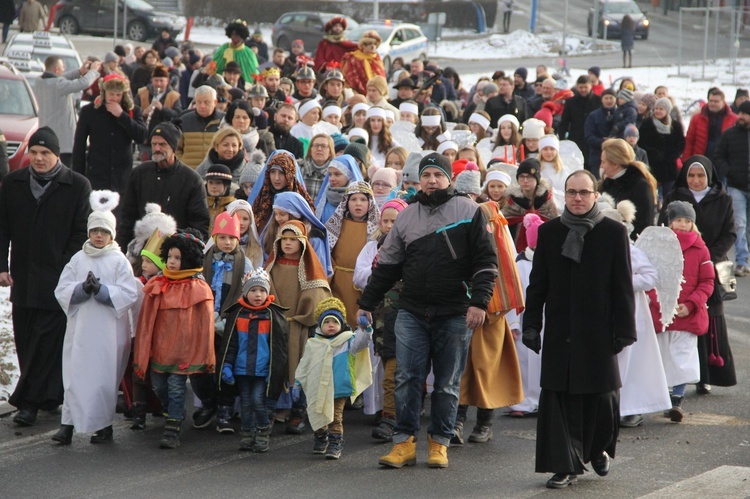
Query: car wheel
[[644, 36], [137, 31], [283, 43], [387, 64], [68, 26]]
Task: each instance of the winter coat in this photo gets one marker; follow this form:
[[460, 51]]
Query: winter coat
[[732, 157], [443, 231], [237, 164], [596, 130], [641, 155], [161, 44], [635, 188], [624, 116], [663, 149], [197, 136], [582, 307], [518, 206], [574, 116], [627, 38], [714, 217], [109, 159], [56, 98], [232, 346], [171, 106], [7, 11], [178, 190], [696, 287], [331, 52], [287, 142], [45, 238], [526, 91], [497, 107], [33, 16], [698, 132]]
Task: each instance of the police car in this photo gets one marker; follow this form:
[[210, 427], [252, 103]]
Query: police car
[[27, 51], [399, 40]]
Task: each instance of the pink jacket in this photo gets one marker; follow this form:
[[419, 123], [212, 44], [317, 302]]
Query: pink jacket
[[698, 275]]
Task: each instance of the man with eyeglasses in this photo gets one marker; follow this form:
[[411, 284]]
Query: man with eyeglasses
[[581, 292]]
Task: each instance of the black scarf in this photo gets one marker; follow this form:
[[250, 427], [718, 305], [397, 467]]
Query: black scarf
[[579, 226], [233, 163]]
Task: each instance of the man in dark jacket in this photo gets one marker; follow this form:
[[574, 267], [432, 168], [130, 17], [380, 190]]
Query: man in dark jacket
[[581, 291], [441, 249], [54, 202], [506, 103], [110, 126], [164, 180], [522, 87], [597, 129], [576, 111], [283, 121], [732, 159]]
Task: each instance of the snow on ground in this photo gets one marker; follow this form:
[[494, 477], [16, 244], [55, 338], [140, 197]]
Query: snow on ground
[[8, 360]]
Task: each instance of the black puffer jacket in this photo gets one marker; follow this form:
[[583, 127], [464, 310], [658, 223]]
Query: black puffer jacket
[[663, 149], [733, 155]]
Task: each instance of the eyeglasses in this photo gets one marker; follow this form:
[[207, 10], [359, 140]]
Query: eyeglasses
[[572, 193], [380, 185], [101, 232], [319, 146]]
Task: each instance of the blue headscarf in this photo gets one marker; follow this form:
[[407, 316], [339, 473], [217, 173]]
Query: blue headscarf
[[262, 175], [349, 166], [295, 204]]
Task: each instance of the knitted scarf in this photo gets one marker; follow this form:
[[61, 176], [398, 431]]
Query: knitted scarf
[[579, 226]]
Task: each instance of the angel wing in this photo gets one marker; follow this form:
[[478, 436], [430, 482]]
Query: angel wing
[[327, 128], [663, 250], [403, 126], [571, 156], [407, 140]]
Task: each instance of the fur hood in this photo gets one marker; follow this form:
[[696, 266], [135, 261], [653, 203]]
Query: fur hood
[[152, 220], [115, 82], [514, 190]]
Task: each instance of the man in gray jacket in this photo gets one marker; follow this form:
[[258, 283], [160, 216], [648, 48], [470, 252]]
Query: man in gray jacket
[[55, 93]]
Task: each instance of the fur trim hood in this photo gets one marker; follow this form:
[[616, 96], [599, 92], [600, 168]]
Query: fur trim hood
[[115, 82]]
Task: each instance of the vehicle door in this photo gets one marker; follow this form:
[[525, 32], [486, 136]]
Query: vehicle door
[[85, 14], [313, 32], [105, 15]]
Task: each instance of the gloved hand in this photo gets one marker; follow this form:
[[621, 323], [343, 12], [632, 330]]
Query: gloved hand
[[296, 392], [363, 321], [532, 339], [621, 343], [227, 376], [219, 326], [93, 283], [86, 286]]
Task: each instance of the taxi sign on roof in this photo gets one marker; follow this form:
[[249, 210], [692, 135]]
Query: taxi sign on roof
[[17, 54], [41, 34], [42, 42]]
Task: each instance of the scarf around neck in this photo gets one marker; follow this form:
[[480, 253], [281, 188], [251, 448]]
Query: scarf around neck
[[41, 181], [95, 252], [663, 128], [579, 226]]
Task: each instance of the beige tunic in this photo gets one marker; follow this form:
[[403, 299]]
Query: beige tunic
[[344, 255]]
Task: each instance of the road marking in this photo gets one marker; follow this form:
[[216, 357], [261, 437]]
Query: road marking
[[724, 481]]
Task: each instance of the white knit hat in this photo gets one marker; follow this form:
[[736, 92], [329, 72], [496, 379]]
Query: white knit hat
[[549, 141], [533, 129], [498, 175], [102, 204]]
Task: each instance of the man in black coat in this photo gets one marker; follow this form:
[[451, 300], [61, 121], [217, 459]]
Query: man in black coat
[[168, 182], [283, 121], [506, 103], [43, 213], [576, 111], [581, 283]]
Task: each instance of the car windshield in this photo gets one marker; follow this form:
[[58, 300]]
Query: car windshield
[[15, 99], [621, 8], [138, 4], [356, 34]]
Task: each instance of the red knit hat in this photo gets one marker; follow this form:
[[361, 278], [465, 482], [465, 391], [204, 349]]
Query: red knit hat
[[226, 224], [458, 166]]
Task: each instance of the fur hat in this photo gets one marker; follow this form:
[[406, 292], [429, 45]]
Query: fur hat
[[469, 180], [335, 20], [257, 277], [191, 247], [102, 204], [370, 36], [680, 209], [252, 170], [531, 222], [378, 82], [115, 82], [160, 71], [226, 224], [330, 307], [153, 220]]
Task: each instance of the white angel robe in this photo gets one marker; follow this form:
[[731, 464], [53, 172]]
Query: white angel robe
[[97, 339], [644, 384]]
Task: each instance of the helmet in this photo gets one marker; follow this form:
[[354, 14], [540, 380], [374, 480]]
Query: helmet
[[305, 73], [334, 74], [257, 90]]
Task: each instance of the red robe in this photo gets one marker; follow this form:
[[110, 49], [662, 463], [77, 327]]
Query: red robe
[[331, 52], [358, 68]]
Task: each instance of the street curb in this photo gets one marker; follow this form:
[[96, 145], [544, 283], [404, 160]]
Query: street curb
[[6, 409]]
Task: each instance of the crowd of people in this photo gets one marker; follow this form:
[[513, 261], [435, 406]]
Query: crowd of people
[[302, 235]]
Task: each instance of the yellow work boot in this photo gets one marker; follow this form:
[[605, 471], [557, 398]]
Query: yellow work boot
[[437, 456], [402, 454]]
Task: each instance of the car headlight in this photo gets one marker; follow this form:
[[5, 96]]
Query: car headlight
[[646, 22], [606, 22], [161, 20]]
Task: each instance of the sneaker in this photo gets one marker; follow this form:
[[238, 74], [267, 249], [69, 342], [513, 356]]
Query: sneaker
[[335, 446], [402, 454], [202, 417], [632, 421], [295, 426], [676, 413], [138, 413], [247, 440], [561, 480], [741, 271], [703, 389], [481, 434], [384, 431], [223, 420], [458, 434], [320, 444], [437, 455]]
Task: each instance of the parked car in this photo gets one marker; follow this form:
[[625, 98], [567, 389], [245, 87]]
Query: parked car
[[306, 26], [18, 114], [98, 17], [27, 51], [610, 16], [399, 40]]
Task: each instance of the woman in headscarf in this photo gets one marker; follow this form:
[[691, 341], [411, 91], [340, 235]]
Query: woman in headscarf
[[364, 63], [342, 170]]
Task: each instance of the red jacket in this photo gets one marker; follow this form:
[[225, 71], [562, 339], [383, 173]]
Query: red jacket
[[330, 52], [696, 139], [698, 275]]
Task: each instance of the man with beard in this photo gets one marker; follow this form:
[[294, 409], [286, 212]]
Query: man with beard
[[166, 181], [283, 121], [271, 80], [198, 127], [581, 291], [506, 102], [707, 126], [333, 46]]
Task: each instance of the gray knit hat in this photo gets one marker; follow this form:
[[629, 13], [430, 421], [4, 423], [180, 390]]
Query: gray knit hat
[[252, 170], [664, 103], [469, 180], [410, 172], [625, 94], [680, 209], [258, 277]]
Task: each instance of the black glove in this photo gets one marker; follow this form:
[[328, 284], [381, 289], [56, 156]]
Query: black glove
[[532, 339], [621, 343], [92, 283]]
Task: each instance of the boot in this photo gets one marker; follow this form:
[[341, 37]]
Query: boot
[[437, 455], [320, 444], [402, 454], [223, 418], [335, 446], [481, 433], [138, 411], [64, 435], [102, 436], [676, 413], [458, 434], [384, 431], [247, 441], [170, 439], [262, 438]]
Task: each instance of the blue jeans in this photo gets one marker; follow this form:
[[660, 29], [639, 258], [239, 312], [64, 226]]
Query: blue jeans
[[171, 389], [741, 205], [253, 405], [445, 342]]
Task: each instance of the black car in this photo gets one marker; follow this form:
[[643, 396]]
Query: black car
[[306, 26], [611, 13], [98, 17]]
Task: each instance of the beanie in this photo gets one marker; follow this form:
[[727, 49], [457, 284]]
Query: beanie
[[469, 180], [378, 82], [257, 277], [533, 129], [530, 166], [330, 307], [531, 222], [457, 167], [358, 150], [680, 209], [172, 52], [631, 131], [251, 172], [102, 203], [397, 204], [664, 103], [625, 94], [609, 91], [168, 132], [219, 172], [435, 160], [522, 72], [744, 107], [110, 57], [240, 204], [649, 100], [45, 137], [595, 70], [168, 63], [387, 175], [339, 142], [410, 172], [226, 224]]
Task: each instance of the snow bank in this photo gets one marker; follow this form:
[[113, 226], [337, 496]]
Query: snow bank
[[8, 361]]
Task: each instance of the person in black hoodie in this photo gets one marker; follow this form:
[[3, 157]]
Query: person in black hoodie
[[663, 139], [698, 184], [575, 112]]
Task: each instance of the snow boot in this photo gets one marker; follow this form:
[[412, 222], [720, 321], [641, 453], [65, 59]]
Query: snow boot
[[320, 445], [262, 438], [335, 446], [247, 440], [676, 413], [138, 411], [170, 439], [223, 419]]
